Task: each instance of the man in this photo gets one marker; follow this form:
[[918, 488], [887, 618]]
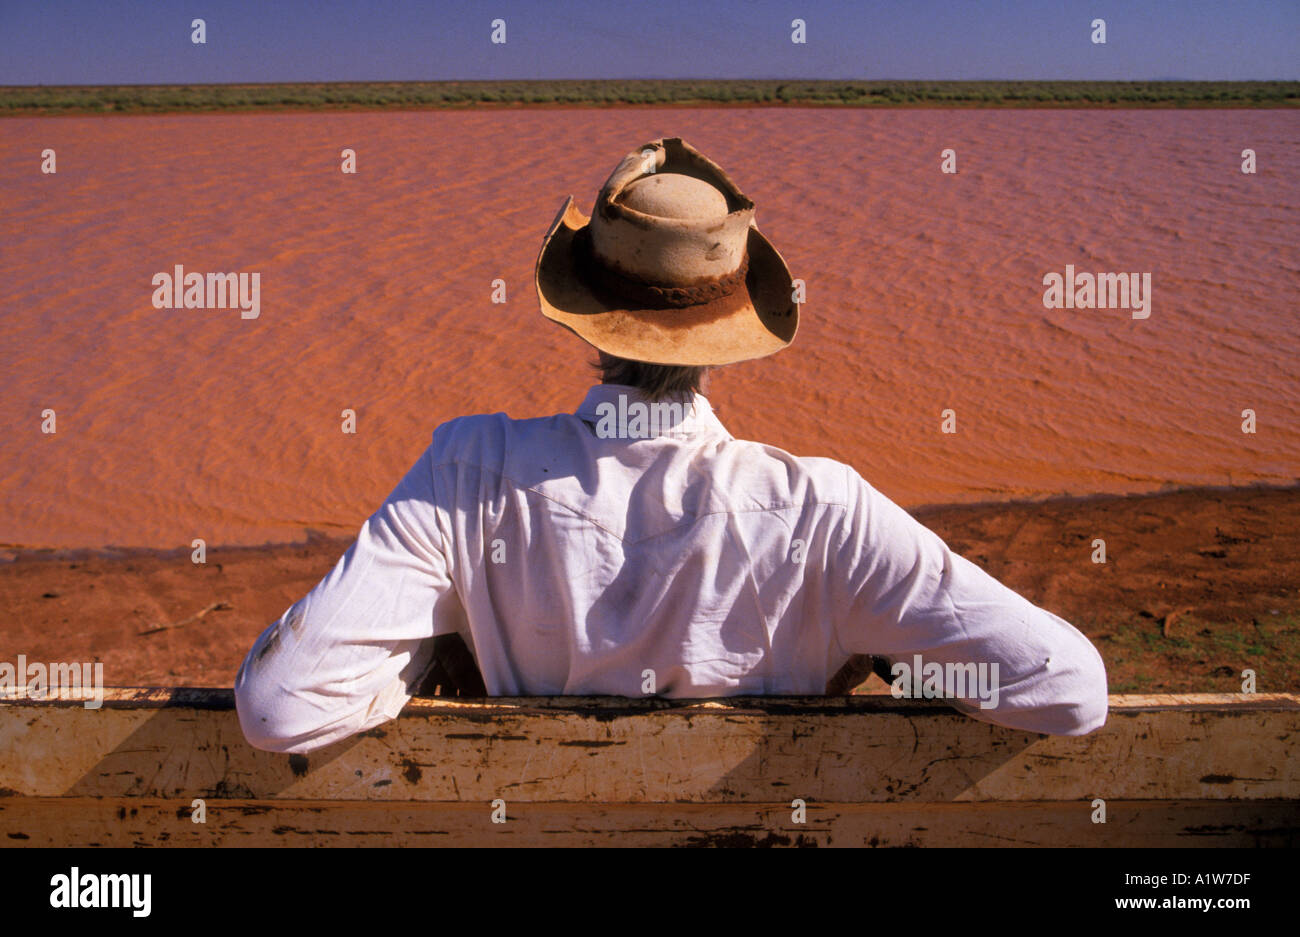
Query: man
[[634, 547]]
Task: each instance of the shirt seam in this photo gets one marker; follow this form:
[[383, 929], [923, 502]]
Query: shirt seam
[[448, 556], [785, 506], [838, 623]]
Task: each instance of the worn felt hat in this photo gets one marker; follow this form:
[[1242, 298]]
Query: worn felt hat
[[669, 268]]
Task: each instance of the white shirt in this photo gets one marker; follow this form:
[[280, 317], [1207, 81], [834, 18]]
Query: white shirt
[[572, 563]]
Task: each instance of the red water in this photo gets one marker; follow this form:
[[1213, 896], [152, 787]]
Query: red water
[[924, 293]]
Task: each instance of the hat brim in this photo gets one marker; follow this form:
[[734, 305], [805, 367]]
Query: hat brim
[[756, 320]]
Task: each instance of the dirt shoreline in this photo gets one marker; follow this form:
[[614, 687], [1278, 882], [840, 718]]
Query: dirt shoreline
[[1198, 585]]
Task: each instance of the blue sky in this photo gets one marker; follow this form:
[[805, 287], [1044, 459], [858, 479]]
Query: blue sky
[[121, 42]]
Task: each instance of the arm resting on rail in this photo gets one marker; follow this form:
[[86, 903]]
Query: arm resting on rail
[[347, 656], [913, 600]]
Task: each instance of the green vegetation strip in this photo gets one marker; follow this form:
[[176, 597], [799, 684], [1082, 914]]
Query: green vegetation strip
[[68, 99]]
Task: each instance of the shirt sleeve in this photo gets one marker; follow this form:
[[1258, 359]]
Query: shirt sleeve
[[347, 656], [913, 601]]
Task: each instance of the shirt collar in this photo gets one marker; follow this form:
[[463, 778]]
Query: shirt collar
[[686, 416]]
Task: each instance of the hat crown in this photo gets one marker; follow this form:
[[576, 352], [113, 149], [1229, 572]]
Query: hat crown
[[674, 195], [670, 217]]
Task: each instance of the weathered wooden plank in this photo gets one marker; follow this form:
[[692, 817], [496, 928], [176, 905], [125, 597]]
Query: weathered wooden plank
[[145, 821], [181, 744], [223, 698]]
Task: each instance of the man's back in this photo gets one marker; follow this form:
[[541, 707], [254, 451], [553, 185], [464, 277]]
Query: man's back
[[683, 560], [634, 550]]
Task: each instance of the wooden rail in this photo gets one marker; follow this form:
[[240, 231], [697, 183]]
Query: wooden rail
[[868, 770]]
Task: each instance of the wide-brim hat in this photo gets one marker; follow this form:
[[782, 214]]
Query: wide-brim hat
[[670, 268]]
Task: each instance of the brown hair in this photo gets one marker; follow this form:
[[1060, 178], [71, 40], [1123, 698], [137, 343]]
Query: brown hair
[[656, 381]]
